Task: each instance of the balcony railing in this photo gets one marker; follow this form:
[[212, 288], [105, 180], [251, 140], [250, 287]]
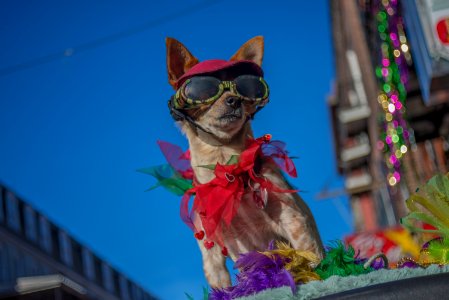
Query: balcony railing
[[358, 182], [355, 113], [355, 152]]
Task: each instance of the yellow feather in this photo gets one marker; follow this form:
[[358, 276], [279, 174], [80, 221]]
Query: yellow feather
[[300, 263]]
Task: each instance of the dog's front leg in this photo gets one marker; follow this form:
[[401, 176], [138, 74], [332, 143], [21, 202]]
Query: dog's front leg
[[299, 227], [214, 265]]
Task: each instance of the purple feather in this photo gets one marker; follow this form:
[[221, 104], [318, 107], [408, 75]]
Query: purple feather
[[409, 264], [220, 294], [271, 246], [258, 272], [378, 264]]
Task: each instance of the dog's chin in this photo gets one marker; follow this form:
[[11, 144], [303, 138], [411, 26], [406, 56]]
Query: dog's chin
[[226, 126], [231, 120]]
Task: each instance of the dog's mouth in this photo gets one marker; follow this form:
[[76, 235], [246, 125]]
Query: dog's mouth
[[232, 116]]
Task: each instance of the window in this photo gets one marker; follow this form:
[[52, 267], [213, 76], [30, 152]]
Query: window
[[98, 271], [107, 278], [133, 289], [139, 293], [13, 265], [88, 264], [30, 223], [66, 248], [21, 268], [2, 205], [124, 292], [77, 256], [17, 263], [21, 208], [116, 282], [56, 247], [44, 234], [30, 265], [12, 212], [3, 262]]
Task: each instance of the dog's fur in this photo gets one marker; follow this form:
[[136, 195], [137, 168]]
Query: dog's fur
[[286, 218]]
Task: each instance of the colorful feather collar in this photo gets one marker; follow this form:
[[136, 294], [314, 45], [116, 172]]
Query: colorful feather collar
[[217, 201]]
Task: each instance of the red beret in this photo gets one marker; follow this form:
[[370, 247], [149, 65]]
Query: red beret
[[214, 65]]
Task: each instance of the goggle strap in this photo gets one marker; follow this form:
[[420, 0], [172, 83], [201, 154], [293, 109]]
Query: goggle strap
[[175, 113], [259, 108], [179, 116]]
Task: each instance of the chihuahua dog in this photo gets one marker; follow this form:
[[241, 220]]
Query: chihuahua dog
[[217, 127]]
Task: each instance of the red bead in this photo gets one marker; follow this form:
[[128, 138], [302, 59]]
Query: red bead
[[267, 137], [224, 251], [208, 244], [199, 235]]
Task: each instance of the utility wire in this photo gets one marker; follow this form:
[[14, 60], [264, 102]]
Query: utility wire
[[107, 39]]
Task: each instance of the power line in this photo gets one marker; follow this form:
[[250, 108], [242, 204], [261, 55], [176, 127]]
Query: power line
[[107, 39]]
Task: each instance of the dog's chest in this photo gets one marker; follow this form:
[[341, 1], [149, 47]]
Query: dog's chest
[[254, 226], [256, 222]]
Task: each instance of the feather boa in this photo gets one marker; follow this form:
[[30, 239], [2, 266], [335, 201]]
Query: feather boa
[[216, 202], [282, 265]]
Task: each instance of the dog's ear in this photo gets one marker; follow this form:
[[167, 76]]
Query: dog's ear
[[179, 60], [252, 50]]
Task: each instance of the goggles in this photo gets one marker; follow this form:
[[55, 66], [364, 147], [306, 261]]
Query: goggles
[[204, 90]]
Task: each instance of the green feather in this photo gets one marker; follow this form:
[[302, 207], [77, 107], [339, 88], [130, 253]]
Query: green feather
[[340, 261], [189, 297], [168, 178], [210, 167], [439, 250], [233, 160], [205, 293]]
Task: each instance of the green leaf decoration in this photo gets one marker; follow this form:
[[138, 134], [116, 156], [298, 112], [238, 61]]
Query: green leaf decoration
[[168, 178], [233, 160], [340, 260], [205, 293], [189, 297], [430, 205], [210, 167], [177, 186]]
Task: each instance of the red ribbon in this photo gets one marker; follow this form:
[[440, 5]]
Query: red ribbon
[[218, 200]]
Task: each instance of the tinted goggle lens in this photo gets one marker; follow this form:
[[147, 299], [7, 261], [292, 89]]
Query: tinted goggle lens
[[250, 86], [206, 89], [202, 88]]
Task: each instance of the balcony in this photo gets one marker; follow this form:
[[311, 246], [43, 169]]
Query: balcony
[[355, 113], [354, 118], [352, 153], [358, 181]]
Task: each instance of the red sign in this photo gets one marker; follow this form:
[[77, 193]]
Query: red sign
[[442, 28], [393, 242]]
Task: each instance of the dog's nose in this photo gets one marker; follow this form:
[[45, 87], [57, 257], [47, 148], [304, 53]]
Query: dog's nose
[[233, 102]]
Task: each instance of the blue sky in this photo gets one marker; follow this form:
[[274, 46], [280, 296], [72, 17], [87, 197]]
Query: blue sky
[[74, 130]]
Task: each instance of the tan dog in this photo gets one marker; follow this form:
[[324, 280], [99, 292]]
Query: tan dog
[[221, 131]]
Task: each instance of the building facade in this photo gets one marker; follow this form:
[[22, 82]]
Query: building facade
[[39, 260], [390, 103]]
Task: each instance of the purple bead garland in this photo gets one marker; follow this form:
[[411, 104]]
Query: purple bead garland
[[393, 75]]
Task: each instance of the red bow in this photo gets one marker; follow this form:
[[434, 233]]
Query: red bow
[[217, 201]]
